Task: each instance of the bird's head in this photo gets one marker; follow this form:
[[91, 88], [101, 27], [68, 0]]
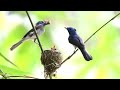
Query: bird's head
[[41, 24], [71, 30]]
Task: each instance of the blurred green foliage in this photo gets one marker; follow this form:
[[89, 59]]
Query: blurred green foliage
[[103, 46]]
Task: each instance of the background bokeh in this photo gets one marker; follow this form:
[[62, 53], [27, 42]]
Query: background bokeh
[[104, 46]]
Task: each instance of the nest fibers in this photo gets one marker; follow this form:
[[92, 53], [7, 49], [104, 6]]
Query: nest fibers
[[51, 59]]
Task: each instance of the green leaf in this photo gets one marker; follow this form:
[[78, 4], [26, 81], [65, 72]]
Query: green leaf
[[12, 71]]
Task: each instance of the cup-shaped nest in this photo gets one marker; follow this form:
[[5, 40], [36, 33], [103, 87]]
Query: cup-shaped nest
[[51, 59]]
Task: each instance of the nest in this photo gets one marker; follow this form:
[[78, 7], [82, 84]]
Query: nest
[[51, 59]]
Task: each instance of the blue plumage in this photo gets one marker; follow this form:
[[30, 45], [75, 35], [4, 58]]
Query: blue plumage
[[75, 40]]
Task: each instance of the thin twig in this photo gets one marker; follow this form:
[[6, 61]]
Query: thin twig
[[50, 76], [25, 77], [102, 27], [35, 32], [68, 57], [6, 77], [7, 60], [3, 74], [90, 37]]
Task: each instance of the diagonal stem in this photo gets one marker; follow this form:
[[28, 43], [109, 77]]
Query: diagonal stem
[[35, 32], [7, 60], [102, 27], [25, 77], [90, 37]]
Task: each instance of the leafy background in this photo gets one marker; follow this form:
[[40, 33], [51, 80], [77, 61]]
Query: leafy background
[[103, 46]]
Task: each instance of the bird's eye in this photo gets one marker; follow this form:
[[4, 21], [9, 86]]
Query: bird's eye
[[75, 29]]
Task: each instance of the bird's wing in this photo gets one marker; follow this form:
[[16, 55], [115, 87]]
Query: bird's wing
[[80, 40], [77, 41], [29, 33]]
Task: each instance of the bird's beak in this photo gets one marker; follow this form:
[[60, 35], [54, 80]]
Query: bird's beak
[[65, 27], [46, 22]]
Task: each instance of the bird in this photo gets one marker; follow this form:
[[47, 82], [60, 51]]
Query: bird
[[39, 26], [77, 41]]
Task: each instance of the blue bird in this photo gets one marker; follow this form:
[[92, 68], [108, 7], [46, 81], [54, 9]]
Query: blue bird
[[75, 40]]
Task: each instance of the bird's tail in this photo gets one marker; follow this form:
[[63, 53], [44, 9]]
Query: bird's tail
[[86, 55], [16, 45]]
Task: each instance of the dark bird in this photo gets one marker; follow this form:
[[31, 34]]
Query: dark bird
[[31, 35], [75, 40]]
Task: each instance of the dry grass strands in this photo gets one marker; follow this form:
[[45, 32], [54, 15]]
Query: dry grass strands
[[51, 59]]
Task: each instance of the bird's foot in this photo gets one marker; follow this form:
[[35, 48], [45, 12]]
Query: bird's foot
[[35, 41]]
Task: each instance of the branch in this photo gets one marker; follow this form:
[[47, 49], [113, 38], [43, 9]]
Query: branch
[[35, 32], [102, 27], [69, 57], [90, 37], [3, 74], [25, 77], [6, 76], [7, 60]]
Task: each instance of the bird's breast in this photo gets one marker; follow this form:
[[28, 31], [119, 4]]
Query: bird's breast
[[39, 31]]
